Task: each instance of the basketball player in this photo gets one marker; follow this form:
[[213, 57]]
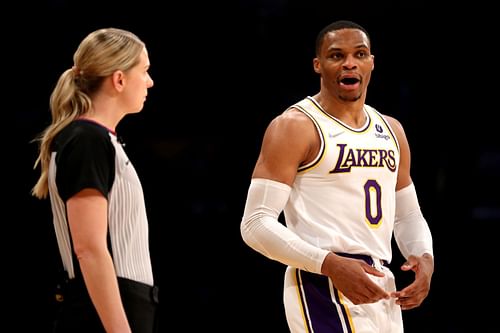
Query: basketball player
[[340, 171]]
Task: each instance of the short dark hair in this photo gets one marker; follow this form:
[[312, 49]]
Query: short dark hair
[[338, 25]]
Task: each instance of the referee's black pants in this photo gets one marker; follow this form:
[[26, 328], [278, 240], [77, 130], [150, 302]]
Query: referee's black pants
[[76, 313]]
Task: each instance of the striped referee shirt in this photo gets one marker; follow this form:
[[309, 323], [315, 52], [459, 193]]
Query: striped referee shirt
[[87, 155]]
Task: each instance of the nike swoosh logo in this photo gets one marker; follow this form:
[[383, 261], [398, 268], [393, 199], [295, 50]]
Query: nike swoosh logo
[[334, 135]]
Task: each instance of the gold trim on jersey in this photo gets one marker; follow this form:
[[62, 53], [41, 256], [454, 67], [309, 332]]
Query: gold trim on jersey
[[322, 138], [363, 129]]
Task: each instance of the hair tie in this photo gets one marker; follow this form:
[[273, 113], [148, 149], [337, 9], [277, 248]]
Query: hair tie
[[76, 70]]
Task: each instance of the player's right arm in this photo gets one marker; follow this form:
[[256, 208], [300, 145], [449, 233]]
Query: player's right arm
[[290, 141]]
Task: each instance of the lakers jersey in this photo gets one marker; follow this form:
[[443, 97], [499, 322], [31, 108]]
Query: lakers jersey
[[344, 200]]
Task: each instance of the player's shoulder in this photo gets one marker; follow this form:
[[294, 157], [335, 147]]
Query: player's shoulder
[[293, 121], [294, 113]]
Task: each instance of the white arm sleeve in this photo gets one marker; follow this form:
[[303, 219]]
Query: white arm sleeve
[[411, 230], [262, 231]]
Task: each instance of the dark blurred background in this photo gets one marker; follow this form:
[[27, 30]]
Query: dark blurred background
[[222, 71]]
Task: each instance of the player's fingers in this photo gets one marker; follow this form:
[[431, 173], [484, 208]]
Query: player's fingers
[[410, 263], [372, 270], [408, 303], [376, 292]]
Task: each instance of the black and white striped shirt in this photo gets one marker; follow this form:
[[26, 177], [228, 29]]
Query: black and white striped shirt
[[88, 155]]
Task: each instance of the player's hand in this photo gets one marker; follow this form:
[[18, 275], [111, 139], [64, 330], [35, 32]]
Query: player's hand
[[350, 276], [413, 295]]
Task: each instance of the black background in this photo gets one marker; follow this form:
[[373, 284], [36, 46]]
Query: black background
[[222, 71]]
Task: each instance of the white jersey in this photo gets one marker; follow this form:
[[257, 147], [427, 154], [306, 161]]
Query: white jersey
[[344, 200]]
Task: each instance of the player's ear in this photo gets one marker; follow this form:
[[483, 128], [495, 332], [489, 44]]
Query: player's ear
[[316, 65], [373, 61]]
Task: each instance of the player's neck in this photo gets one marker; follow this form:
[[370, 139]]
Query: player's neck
[[351, 112]]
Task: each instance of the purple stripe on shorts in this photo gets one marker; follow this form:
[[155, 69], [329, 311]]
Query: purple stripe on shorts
[[323, 313]]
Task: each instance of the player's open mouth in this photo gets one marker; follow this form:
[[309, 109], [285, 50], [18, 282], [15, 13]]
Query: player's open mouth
[[349, 80]]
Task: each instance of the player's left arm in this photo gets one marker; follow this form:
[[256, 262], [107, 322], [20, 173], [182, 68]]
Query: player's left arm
[[411, 230]]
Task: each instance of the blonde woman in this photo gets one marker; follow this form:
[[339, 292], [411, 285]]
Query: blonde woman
[[95, 193]]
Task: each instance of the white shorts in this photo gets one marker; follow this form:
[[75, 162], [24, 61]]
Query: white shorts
[[314, 305]]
